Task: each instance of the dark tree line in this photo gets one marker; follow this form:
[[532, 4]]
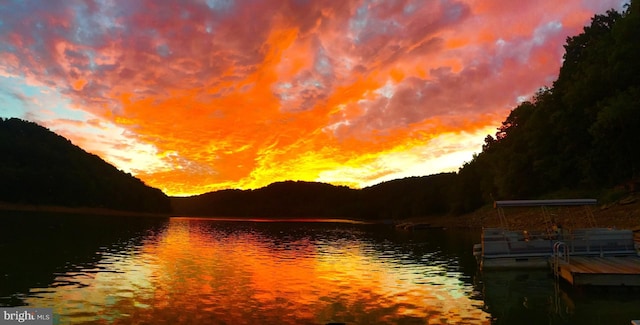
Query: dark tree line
[[409, 197], [582, 133], [39, 167]]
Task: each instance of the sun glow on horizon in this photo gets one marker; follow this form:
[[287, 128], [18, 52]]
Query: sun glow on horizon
[[196, 98]]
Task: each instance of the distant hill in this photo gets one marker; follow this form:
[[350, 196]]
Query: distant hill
[[409, 197], [278, 200], [39, 167]]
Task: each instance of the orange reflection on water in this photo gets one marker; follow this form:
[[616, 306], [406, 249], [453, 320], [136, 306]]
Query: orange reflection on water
[[202, 271]]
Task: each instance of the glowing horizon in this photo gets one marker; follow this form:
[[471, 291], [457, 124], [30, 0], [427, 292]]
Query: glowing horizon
[[217, 94]]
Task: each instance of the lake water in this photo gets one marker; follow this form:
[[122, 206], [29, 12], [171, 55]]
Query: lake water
[[114, 270]]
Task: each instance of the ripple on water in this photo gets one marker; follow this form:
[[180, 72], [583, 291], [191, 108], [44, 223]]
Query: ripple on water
[[203, 272]]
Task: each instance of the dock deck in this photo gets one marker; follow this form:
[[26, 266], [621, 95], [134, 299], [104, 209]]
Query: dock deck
[[599, 271]]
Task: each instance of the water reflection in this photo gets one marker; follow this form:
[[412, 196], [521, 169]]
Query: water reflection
[[192, 271], [535, 297], [204, 272], [37, 247]]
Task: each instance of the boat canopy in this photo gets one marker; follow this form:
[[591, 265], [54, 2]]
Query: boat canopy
[[536, 203]]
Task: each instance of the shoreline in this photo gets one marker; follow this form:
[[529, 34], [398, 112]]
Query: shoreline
[[78, 210], [622, 214]]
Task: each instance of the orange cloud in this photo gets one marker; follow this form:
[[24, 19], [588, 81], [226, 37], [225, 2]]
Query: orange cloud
[[203, 96]]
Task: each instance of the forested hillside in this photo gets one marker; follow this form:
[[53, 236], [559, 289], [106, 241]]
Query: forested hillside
[[38, 167], [415, 196], [582, 133]]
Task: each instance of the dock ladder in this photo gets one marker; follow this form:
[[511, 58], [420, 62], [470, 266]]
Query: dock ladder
[[560, 252]]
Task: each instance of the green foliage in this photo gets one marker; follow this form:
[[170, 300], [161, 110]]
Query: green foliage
[[41, 168], [579, 135]]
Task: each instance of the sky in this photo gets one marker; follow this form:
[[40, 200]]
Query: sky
[[203, 95]]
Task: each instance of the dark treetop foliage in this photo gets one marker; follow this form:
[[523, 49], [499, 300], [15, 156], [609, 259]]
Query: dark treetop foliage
[[38, 167], [409, 197], [583, 132]]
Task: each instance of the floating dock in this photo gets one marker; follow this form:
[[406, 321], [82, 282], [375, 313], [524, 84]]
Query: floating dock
[[598, 271], [589, 256]]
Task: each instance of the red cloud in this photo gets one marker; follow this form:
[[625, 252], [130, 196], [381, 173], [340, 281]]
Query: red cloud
[[243, 93]]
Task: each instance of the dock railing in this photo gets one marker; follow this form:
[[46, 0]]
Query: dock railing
[[600, 241], [560, 253]]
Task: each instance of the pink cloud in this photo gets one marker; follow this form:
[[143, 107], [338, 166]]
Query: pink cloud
[[204, 78]]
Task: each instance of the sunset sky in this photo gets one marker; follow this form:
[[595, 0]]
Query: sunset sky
[[197, 96]]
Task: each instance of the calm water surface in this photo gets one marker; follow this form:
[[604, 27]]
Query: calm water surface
[[97, 270]]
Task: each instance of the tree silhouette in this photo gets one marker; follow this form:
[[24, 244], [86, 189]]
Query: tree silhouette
[[39, 167]]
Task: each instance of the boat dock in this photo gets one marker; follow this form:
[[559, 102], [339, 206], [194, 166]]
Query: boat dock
[[608, 261], [590, 256], [598, 271]]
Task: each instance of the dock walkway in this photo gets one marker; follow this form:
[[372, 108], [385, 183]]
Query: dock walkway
[[599, 271]]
